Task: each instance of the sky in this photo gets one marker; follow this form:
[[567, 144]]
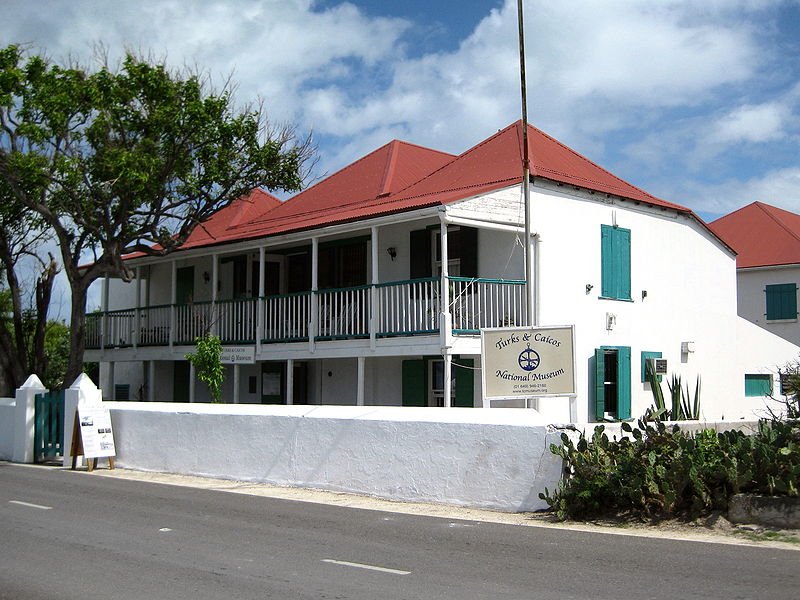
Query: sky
[[696, 102]]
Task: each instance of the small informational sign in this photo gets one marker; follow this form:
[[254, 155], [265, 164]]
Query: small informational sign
[[660, 366], [243, 355], [528, 362], [96, 433]]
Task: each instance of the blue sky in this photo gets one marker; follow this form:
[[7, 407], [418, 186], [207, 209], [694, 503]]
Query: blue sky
[[696, 102]]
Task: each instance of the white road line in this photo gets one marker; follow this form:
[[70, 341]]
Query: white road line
[[363, 566], [39, 506]]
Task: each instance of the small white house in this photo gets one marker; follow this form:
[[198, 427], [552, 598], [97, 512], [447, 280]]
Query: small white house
[[371, 287]]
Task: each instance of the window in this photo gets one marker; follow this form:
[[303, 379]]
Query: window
[[615, 250], [647, 355], [423, 382], [781, 301], [426, 252], [757, 385], [612, 383], [343, 264]]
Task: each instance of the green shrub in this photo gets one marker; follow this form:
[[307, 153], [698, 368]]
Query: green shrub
[[660, 471]]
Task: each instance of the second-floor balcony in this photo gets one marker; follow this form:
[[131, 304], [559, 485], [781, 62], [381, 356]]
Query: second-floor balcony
[[400, 308]]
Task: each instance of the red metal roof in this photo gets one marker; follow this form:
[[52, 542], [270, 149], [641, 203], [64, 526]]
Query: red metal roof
[[762, 234], [399, 177], [496, 162], [357, 191]]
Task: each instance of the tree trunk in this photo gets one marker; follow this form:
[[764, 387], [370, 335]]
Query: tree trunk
[[77, 331]]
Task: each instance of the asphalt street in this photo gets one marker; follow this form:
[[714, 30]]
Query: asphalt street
[[72, 535]]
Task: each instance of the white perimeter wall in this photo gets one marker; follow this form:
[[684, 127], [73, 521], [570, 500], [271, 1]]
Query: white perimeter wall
[[7, 408], [499, 459]]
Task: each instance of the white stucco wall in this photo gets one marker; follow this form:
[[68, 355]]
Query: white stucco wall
[[7, 411], [499, 459], [752, 298]]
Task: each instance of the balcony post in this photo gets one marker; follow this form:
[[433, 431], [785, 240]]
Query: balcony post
[[173, 298], [373, 299], [446, 326], [137, 320], [262, 257], [361, 375], [313, 326], [290, 382], [104, 317], [214, 278]]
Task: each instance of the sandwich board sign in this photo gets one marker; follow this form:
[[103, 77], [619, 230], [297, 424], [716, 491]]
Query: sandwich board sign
[[93, 436], [528, 362]]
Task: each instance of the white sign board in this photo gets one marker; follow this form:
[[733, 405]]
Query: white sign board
[[232, 355], [528, 362], [96, 434]]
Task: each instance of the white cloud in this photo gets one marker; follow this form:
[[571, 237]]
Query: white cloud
[[780, 187]]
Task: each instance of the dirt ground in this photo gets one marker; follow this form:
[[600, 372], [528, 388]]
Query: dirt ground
[[714, 529]]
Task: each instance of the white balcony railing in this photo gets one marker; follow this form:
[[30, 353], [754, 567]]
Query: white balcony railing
[[400, 308]]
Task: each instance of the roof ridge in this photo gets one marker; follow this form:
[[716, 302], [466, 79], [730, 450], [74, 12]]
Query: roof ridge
[[388, 172], [762, 206], [594, 164]]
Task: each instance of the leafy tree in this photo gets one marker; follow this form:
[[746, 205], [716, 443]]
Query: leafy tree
[[127, 159], [24, 300], [208, 364]]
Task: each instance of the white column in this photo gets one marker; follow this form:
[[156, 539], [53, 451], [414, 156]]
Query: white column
[[137, 318], [446, 327], [361, 375], [191, 382], [290, 381], [104, 318], [313, 327], [448, 373], [111, 378], [262, 258], [373, 304], [151, 381], [236, 374], [214, 279], [173, 298], [24, 418]]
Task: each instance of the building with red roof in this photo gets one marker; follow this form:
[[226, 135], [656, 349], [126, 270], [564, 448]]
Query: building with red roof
[[767, 240], [373, 286]]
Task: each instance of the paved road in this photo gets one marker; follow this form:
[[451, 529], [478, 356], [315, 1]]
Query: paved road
[[70, 535]]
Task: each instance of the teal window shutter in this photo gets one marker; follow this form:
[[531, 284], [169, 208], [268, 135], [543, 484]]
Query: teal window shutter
[[414, 388], [757, 385], [615, 253], [465, 382], [599, 388], [781, 301], [623, 382]]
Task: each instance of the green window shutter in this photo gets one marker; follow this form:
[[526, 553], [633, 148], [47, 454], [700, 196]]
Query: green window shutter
[[465, 382], [607, 263], [757, 385], [645, 357], [420, 254], [623, 382], [599, 388], [623, 259], [468, 243], [615, 253], [781, 301], [414, 389]]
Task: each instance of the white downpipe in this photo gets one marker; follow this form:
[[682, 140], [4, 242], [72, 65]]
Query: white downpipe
[[448, 384]]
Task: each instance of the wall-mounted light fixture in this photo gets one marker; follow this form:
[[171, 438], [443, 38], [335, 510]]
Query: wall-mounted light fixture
[[589, 287], [392, 252], [206, 276], [644, 294]]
